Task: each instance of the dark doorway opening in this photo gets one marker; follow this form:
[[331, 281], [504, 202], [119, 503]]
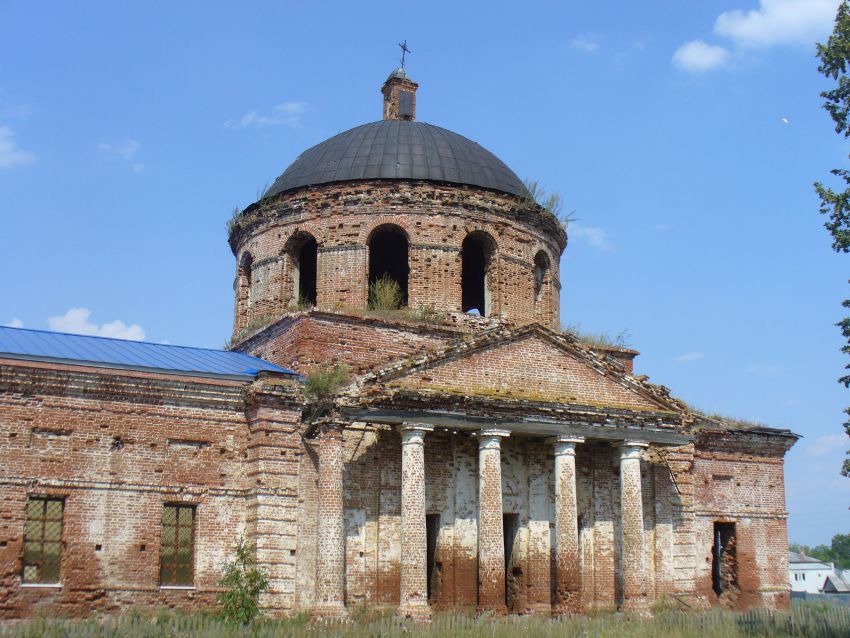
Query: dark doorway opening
[[306, 262], [724, 574], [510, 528], [476, 255], [432, 527], [388, 257]]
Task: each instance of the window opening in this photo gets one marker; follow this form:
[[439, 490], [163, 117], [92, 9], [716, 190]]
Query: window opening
[[177, 563], [304, 281], [724, 576], [432, 527], [541, 268], [476, 257], [388, 259], [43, 540]]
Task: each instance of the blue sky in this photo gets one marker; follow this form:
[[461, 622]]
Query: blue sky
[[686, 137]]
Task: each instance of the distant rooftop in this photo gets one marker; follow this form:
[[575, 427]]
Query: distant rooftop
[[796, 557], [60, 347]]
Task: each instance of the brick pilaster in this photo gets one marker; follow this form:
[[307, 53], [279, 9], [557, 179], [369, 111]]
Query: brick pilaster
[[491, 542], [567, 559], [632, 562], [414, 548], [330, 546]]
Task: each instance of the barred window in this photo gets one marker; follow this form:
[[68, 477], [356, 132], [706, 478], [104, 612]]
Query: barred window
[[177, 559], [43, 540]]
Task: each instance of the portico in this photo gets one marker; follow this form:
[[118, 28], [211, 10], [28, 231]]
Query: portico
[[561, 444]]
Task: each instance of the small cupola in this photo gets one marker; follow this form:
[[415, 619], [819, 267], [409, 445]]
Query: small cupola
[[399, 96]]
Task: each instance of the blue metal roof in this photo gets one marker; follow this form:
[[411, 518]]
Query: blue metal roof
[[60, 347]]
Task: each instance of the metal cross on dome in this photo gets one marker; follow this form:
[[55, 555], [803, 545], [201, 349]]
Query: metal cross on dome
[[404, 50]]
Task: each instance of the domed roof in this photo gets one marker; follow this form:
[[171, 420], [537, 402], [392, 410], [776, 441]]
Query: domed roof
[[399, 149]]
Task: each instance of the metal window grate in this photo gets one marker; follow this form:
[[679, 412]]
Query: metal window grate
[[177, 561], [43, 540]]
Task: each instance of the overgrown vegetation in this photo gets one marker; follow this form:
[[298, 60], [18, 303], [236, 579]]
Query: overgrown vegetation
[[243, 582], [254, 325], [598, 339], [233, 220], [834, 61], [385, 294], [551, 203], [326, 381], [321, 386], [804, 621], [837, 552]]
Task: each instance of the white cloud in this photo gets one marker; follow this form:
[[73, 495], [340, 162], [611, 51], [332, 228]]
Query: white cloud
[[11, 155], [690, 356], [138, 167], [15, 323], [827, 443], [595, 236], [76, 321], [699, 56], [123, 150], [778, 22], [585, 43], [661, 228], [287, 113]]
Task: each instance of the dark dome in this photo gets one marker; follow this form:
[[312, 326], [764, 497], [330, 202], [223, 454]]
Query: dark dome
[[399, 149]]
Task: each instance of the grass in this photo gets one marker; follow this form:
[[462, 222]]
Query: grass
[[599, 340], [803, 621], [551, 203], [385, 295], [325, 382], [253, 326]]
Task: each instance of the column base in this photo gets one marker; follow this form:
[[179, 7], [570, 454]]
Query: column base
[[419, 613], [329, 613]]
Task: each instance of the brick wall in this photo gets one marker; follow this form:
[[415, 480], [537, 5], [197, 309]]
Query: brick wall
[[117, 447], [436, 219]]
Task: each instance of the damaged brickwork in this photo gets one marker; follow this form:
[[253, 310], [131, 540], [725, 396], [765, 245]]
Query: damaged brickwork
[[476, 457]]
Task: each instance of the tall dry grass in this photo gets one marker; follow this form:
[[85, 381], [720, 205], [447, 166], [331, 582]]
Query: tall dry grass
[[804, 621]]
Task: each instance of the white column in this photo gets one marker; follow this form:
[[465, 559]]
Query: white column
[[567, 561], [491, 541], [632, 563], [414, 540]]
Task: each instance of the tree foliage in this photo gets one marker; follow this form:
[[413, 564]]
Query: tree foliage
[[243, 582], [837, 552], [835, 204]]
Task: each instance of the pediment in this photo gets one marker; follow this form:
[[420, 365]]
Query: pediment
[[531, 364]]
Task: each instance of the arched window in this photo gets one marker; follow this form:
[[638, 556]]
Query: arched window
[[243, 289], [388, 261], [541, 275], [303, 250], [477, 253]]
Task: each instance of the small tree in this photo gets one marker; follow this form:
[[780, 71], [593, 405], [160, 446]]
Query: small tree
[[243, 582], [835, 204]]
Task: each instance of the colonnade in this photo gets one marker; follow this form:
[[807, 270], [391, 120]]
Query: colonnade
[[330, 556]]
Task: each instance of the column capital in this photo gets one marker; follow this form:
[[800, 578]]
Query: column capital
[[491, 438], [565, 444], [631, 449], [414, 432]]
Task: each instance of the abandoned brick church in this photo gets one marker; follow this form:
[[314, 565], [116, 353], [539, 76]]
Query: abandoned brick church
[[471, 455]]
